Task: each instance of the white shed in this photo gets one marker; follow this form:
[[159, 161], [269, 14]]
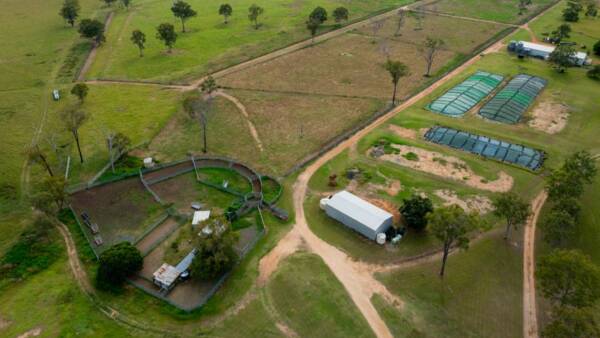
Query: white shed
[[358, 214]]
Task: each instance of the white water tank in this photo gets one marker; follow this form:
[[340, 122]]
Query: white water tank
[[381, 238], [323, 203], [148, 162]]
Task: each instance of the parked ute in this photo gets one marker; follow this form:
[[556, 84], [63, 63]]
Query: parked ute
[[55, 95]]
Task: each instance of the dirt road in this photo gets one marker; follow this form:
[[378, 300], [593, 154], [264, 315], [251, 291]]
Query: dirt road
[[92, 55], [530, 326], [244, 112]]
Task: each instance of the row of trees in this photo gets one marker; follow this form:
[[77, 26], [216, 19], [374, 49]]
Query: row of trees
[[568, 278], [575, 7], [452, 225]]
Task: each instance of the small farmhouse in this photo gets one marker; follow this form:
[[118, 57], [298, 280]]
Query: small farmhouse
[[541, 51]]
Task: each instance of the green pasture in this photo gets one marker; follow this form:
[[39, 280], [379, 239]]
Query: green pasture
[[209, 44], [480, 296]]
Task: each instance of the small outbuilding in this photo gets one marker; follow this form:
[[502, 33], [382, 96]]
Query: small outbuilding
[[357, 214]]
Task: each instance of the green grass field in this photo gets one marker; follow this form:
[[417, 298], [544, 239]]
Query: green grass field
[[309, 299], [479, 297], [209, 44]]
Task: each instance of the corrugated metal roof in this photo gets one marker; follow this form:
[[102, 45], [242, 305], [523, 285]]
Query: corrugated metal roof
[[166, 274], [359, 209]]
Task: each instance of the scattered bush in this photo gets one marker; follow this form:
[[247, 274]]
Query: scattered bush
[[594, 73], [414, 210], [116, 263], [35, 250], [411, 156]]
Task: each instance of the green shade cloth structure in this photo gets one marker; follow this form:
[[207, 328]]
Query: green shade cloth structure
[[464, 96], [487, 147], [510, 103]]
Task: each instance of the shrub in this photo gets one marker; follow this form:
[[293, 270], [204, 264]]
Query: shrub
[[414, 211], [116, 263], [594, 73]]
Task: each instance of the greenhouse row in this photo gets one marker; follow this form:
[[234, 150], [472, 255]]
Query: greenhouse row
[[461, 98], [487, 147], [509, 105]]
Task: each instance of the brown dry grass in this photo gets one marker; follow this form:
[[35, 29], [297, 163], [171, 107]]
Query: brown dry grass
[[293, 126], [352, 64]]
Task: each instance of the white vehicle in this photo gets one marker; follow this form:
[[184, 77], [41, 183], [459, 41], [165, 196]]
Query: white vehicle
[[55, 95]]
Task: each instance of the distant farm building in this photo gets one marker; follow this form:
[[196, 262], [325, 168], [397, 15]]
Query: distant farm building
[[357, 214], [543, 52]]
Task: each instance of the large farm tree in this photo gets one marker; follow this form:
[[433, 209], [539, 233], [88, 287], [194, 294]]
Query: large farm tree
[[36, 155], [166, 33], [73, 120], [318, 14], [117, 144], [340, 14], [414, 211], [183, 11], [513, 209], [596, 48], [92, 29], [400, 21], [562, 58], [429, 50], [126, 3], [558, 227], [569, 180], [571, 13], [198, 109], [225, 10], [209, 85], [216, 254], [80, 90], [109, 2], [254, 12], [570, 322], [451, 225], [116, 263], [562, 32], [569, 278], [313, 27], [138, 38], [70, 11], [397, 70], [591, 10], [523, 6], [50, 195]]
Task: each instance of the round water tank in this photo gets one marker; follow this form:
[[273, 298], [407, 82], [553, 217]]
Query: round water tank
[[381, 238], [323, 202]]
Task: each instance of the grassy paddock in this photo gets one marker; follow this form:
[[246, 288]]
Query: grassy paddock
[[496, 10], [352, 64], [480, 295], [312, 302], [210, 44]]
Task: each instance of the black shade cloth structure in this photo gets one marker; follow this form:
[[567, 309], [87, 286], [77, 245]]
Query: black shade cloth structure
[[464, 96], [487, 147], [510, 103]]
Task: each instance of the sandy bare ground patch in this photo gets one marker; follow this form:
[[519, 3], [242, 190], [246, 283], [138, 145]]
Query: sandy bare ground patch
[[403, 132], [447, 167], [4, 323], [286, 330], [478, 203], [31, 333], [268, 264], [550, 117]]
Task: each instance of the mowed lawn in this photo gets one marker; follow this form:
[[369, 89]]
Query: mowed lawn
[[307, 297], [209, 44], [480, 295], [352, 64], [496, 10]]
